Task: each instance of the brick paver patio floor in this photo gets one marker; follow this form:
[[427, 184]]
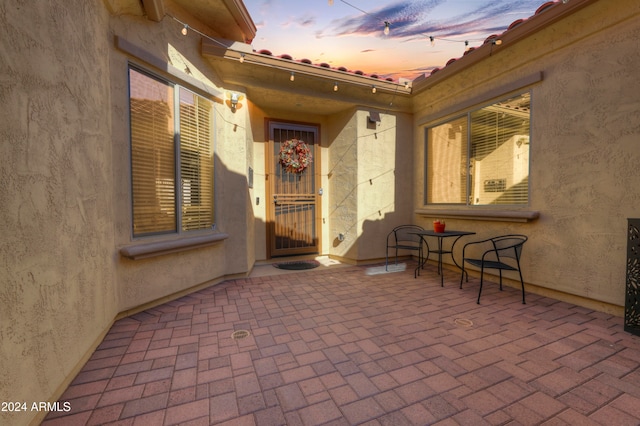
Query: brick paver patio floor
[[340, 347]]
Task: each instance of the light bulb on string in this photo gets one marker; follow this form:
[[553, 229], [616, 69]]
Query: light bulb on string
[[185, 30], [373, 89], [386, 27], [241, 58], [335, 87], [293, 77]]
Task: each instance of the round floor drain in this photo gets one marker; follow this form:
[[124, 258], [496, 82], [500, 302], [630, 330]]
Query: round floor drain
[[463, 322], [239, 334]]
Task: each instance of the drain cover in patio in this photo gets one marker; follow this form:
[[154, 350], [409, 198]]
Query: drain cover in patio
[[297, 265]]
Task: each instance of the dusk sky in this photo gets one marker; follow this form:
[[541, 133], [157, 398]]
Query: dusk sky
[[350, 33]]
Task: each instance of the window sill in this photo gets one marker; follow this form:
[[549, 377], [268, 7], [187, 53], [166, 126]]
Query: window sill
[[159, 248], [481, 214]]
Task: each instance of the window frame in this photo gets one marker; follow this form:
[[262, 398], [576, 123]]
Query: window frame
[[177, 89], [467, 113]]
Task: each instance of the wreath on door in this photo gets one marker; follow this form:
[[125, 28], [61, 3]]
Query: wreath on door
[[295, 156]]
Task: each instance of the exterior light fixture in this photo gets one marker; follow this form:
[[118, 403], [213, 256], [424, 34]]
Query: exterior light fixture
[[373, 89], [234, 101], [185, 30], [335, 86], [293, 76], [386, 27], [496, 42], [241, 58]]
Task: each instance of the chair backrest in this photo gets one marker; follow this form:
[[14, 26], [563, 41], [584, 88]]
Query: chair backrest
[[404, 233], [509, 246]]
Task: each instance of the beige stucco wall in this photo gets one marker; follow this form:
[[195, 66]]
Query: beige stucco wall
[[57, 292], [584, 178], [143, 281], [66, 186], [370, 181]]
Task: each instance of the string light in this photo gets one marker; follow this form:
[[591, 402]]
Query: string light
[[241, 56], [387, 26], [373, 89]]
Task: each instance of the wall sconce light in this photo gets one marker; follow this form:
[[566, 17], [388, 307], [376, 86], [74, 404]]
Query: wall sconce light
[[233, 101]]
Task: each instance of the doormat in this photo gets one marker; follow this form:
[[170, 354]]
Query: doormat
[[297, 265]]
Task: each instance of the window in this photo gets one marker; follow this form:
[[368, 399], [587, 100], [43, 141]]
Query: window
[[482, 157], [171, 157]]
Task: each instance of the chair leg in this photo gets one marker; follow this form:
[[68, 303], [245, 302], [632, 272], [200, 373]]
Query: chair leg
[[500, 273], [522, 283], [481, 281]]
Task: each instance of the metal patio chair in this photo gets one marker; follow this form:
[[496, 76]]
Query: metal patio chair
[[402, 238], [502, 253]]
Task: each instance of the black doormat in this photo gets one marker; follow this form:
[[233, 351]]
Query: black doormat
[[297, 265]]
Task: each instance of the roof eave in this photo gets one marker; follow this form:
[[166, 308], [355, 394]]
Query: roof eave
[[520, 32], [235, 51]]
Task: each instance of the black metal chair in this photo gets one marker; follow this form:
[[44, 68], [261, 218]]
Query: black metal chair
[[502, 253], [402, 238]]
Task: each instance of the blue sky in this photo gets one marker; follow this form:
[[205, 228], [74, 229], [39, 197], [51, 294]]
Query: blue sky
[[349, 33]]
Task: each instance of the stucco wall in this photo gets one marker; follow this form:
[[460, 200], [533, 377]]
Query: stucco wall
[[66, 186], [143, 281], [57, 292], [584, 179], [385, 179], [343, 185], [371, 168]]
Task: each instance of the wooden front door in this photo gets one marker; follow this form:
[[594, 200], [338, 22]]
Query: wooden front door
[[293, 219]]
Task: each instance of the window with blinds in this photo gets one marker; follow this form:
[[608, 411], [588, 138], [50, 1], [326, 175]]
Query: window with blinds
[[481, 158], [171, 171]]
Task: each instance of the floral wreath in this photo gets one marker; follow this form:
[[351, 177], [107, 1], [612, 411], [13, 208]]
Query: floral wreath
[[295, 156]]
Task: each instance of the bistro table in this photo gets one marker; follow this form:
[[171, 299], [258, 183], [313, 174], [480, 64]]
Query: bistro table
[[440, 236]]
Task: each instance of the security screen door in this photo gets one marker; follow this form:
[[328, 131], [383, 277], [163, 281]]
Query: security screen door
[[293, 222]]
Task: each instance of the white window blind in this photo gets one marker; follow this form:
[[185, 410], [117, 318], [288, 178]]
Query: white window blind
[[152, 155], [482, 157], [447, 162], [196, 161], [161, 157]]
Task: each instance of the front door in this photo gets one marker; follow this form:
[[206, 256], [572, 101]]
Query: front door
[[293, 222]]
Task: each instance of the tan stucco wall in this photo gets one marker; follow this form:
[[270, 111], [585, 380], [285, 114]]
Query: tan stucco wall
[[66, 187], [370, 181], [142, 281], [57, 292], [584, 178]]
